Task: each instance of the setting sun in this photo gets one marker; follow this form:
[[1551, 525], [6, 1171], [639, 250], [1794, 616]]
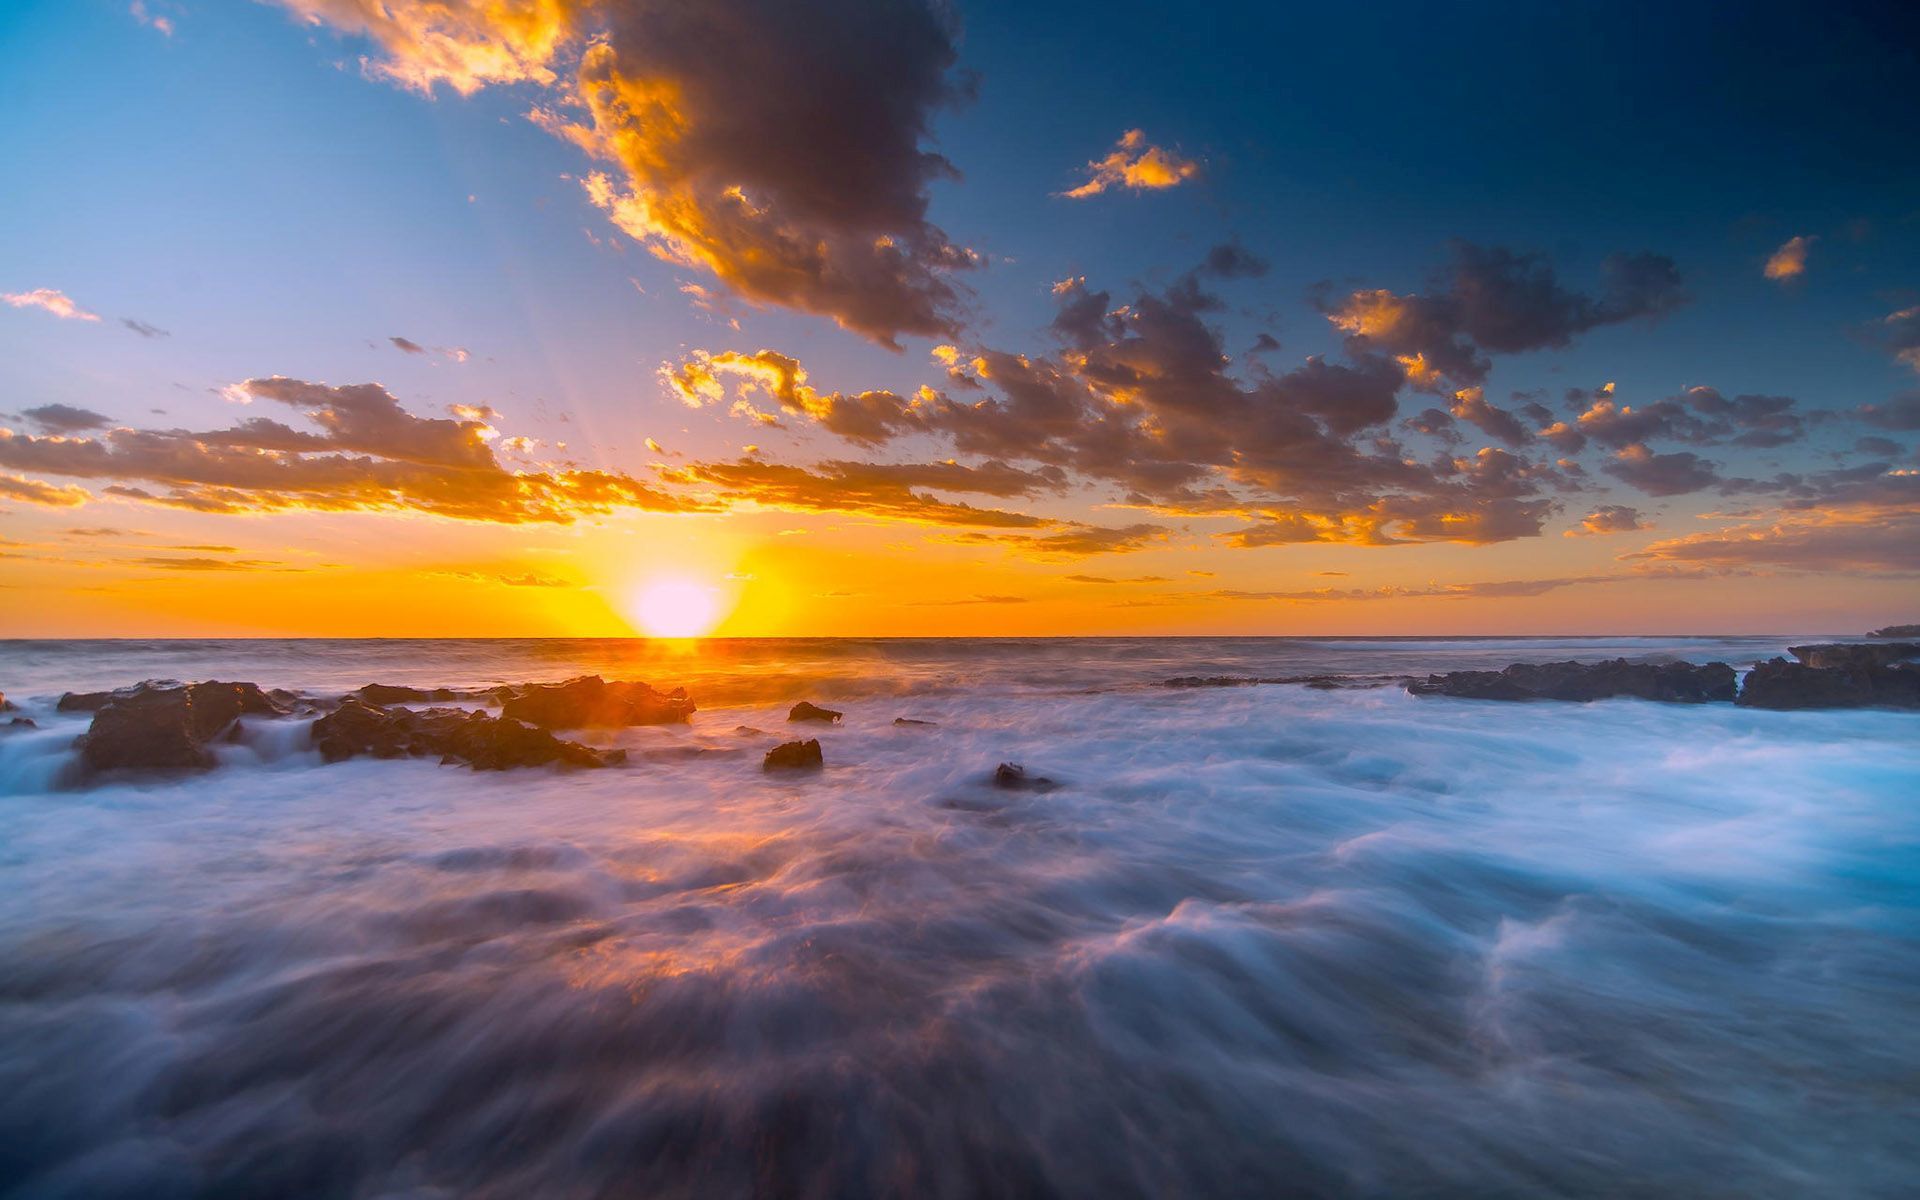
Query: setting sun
[[676, 608]]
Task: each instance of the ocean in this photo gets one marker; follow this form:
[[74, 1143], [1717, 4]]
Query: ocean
[[1261, 940]]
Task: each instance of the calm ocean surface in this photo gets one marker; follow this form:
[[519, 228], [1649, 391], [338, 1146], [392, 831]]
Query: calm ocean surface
[[1262, 941]]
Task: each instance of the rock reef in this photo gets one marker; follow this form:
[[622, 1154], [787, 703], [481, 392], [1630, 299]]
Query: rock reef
[[1672, 683]]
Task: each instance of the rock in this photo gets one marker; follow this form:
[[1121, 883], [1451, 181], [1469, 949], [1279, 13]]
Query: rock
[[1674, 683], [592, 701], [481, 741], [1897, 631], [393, 693], [167, 725], [1855, 655], [1013, 777], [795, 756], [1780, 684], [911, 721], [22, 723], [6, 705], [805, 711]]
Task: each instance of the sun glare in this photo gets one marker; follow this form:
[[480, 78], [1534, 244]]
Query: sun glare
[[676, 608]]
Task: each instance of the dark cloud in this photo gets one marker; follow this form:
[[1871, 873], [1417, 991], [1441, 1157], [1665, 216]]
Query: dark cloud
[[65, 418], [1496, 301], [1608, 518], [874, 490], [407, 346], [1470, 405], [779, 146], [143, 329], [1662, 474], [1901, 413]]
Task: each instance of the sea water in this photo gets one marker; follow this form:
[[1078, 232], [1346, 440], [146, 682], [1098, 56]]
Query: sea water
[[1260, 940]]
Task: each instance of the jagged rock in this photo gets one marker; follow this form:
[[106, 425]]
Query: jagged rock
[[1780, 684], [167, 725], [483, 742], [1855, 655], [1897, 631], [395, 693], [592, 701], [789, 756], [911, 721], [1013, 777], [1674, 683], [807, 711]]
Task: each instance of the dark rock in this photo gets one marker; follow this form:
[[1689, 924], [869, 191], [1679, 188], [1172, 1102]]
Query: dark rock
[[795, 756], [911, 721], [1780, 684], [1897, 631], [1013, 777], [805, 711], [167, 725], [1325, 683], [592, 701], [393, 693], [1847, 656], [6, 705], [22, 723], [1674, 683], [483, 742]]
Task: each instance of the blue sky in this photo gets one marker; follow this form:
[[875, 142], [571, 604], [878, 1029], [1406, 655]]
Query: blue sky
[[265, 192]]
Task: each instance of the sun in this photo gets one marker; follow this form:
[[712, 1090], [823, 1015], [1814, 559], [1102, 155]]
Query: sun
[[676, 608]]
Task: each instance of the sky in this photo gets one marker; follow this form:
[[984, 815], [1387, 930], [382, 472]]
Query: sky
[[875, 317]]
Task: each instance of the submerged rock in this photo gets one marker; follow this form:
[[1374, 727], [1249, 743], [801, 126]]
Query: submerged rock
[[1673, 683], [481, 741], [592, 701], [807, 711], [911, 721], [1013, 777], [155, 726], [1855, 655], [794, 756], [1780, 684], [23, 723]]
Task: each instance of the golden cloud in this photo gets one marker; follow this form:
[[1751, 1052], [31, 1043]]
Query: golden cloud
[[1136, 164]]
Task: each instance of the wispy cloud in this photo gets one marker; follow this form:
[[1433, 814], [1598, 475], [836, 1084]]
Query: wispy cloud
[[1789, 262], [49, 300]]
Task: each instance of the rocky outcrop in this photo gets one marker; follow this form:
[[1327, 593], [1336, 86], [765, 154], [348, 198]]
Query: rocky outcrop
[[1673, 683], [393, 693], [1854, 656], [1779, 684], [1013, 777], [807, 711], [591, 701], [454, 735], [912, 721], [6, 705], [795, 756], [1897, 631], [166, 725]]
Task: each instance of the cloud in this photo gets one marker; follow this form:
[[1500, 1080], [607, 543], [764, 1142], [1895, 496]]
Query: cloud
[[1470, 405], [361, 451], [165, 563], [1504, 588], [978, 599], [1869, 542], [1137, 165], [15, 487], [143, 329], [1900, 413], [407, 346], [48, 299], [65, 418], [874, 490], [1789, 262], [150, 19], [1080, 541], [1899, 334], [1494, 301], [526, 579], [1662, 474], [779, 146], [1608, 518], [869, 417]]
